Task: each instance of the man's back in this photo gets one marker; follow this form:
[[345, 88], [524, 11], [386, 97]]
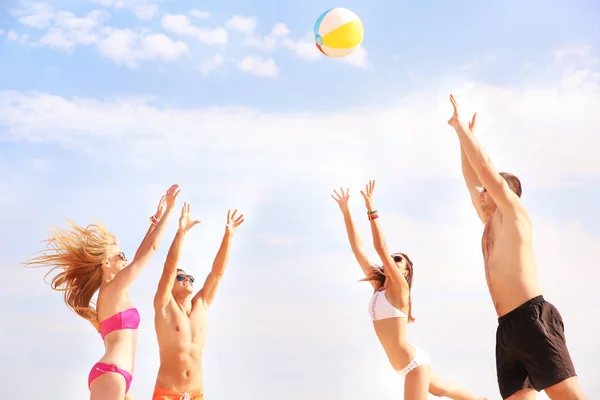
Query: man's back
[[181, 341], [510, 266]]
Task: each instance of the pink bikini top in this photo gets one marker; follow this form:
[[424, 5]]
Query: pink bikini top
[[128, 319]]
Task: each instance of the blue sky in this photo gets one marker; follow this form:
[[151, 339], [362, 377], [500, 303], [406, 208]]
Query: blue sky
[[105, 104]]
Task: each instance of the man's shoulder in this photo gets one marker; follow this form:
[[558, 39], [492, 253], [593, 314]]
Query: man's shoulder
[[517, 218], [164, 308]]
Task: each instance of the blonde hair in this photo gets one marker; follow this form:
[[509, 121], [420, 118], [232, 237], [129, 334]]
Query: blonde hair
[[76, 256]]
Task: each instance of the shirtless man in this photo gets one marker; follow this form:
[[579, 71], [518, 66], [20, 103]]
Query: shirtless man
[[531, 350], [180, 319]]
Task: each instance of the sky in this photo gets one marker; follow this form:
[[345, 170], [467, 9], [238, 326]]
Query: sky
[[106, 103]]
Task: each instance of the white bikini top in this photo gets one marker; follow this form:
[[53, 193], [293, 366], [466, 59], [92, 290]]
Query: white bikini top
[[381, 308]]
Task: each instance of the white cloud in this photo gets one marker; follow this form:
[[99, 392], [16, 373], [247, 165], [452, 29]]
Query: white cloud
[[303, 49], [12, 35], [110, 3], [128, 47], [416, 118], [36, 15], [241, 24], [280, 30], [212, 64], [16, 37], [358, 59], [199, 14], [181, 25], [69, 31], [572, 51], [256, 65], [123, 46], [268, 42], [143, 9], [145, 12]]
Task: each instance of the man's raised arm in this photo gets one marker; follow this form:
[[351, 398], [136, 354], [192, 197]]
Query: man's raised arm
[[471, 179], [167, 279], [487, 175], [207, 294]]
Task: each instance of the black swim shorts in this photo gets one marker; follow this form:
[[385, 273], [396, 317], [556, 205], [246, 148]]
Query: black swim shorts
[[531, 349]]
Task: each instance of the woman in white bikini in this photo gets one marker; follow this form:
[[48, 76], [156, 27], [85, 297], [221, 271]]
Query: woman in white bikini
[[390, 307]]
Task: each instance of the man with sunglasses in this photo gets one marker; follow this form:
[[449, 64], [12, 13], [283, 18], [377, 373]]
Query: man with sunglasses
[[531, 349], [180, 318]]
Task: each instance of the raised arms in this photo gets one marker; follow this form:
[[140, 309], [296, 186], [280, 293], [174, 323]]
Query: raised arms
[[160, 211], [481, 163], [379, 241], [167, 279], [207, 294], [127, 275], [354, 238], [471, 179]]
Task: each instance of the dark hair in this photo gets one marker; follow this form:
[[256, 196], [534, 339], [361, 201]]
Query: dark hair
[[513, 182], [377, 273]]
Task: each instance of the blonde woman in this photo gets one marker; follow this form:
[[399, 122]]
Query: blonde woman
[[390, 307], [89, 260]]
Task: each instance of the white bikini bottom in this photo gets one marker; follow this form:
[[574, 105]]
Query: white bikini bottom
[[420, 358]]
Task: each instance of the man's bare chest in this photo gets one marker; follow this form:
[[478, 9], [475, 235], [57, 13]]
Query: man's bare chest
[[488, 240]]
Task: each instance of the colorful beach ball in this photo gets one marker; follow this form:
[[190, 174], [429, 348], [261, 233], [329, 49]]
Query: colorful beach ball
[[338, 32]]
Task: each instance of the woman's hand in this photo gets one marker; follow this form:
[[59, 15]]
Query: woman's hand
[[171, 196], [367, 194], [162, 207], [342, 199]]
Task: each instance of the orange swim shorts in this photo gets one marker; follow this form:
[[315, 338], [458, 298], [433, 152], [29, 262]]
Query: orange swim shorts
[[162, 394]]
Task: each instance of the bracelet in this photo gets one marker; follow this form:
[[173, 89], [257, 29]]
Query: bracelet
[[372, 212], [373, 216], [153, 220]]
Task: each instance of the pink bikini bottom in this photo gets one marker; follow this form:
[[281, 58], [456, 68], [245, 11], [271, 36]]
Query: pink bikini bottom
[[102, 368]]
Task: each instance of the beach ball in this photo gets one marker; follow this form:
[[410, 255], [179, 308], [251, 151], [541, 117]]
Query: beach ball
[[338, 32]]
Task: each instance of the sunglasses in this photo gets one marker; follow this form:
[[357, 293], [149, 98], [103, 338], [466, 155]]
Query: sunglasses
[[397, 258], [123, 257], [181, 277]]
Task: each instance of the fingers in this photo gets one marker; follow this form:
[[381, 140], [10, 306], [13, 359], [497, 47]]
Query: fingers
[[453, 101], [473, 122], [234, 221], [195, 222], [188, 208], [344, 194], [454, 105], [173, 191], [183, 209]]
